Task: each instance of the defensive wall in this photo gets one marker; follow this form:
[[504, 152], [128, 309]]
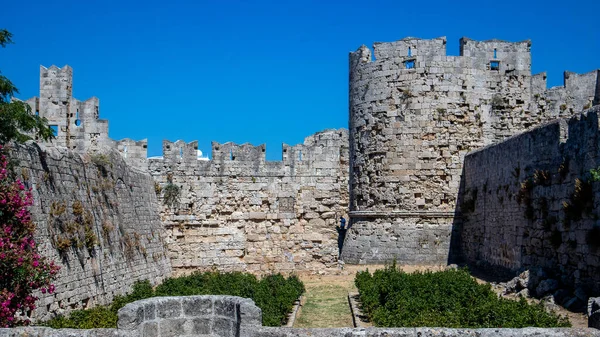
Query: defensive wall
[[239, 211], [97, 218], [533, 201], [230, 316], [397, 173], [414, 114]]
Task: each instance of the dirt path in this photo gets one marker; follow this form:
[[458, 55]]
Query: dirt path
[[326, 299]]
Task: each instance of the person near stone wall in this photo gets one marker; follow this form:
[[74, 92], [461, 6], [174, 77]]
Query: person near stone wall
[[341, 229]]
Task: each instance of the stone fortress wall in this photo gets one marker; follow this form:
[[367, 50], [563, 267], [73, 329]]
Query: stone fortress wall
[[239, 211], [414, 114], [531, 201], [98, 219]]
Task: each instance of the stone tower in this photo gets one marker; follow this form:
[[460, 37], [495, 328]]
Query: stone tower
[[414, 114], [77, 124]]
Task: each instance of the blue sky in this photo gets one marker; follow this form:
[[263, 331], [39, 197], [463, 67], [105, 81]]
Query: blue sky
[[258, 71]]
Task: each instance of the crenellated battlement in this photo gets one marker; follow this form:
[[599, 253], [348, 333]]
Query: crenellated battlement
[[134, 152], [410, 47], [322, 150], [476, 55], [242, 153]]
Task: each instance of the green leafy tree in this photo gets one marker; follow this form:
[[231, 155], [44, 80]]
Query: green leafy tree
[[17, 122]]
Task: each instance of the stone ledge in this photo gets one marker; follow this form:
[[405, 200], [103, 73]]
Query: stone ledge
[[402, 214]]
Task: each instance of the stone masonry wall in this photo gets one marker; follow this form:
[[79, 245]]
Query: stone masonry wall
[[96, 217], [241, 212], [532, 201], [414, 114]]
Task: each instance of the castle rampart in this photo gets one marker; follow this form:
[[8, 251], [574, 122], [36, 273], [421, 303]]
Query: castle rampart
[[97, 218], [414, 114], [531, 201], [397, 173], [239, 211]]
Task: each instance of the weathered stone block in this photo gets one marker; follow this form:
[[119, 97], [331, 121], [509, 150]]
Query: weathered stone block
[[250, 314], [223, 327], [130, 316], [149, 311], [172, 327], [150, 329], [197, 306], [168, 308], [201, 326], [225, 306]]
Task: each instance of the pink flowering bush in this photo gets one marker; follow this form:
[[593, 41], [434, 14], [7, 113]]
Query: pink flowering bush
[[22, 269]]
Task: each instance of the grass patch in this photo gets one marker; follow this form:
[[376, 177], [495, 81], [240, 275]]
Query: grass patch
[[450, 298], [274, 294], [326, 307]]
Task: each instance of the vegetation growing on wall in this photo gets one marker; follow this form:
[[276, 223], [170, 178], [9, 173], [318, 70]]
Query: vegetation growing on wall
[[451, 298], [171, 192], [469, 202], [274, 294], [71, 230]]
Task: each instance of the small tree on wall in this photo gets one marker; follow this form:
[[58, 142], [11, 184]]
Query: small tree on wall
[[171, 192], [17, 122]]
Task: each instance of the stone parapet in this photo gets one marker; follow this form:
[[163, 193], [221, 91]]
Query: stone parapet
[[239, 317]]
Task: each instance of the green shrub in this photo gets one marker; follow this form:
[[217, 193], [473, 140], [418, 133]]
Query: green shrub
[[274, 294], [213, 283], [452, 298]]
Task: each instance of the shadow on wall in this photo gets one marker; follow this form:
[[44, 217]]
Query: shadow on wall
[[454, 256], [533, 201], [465, 204]]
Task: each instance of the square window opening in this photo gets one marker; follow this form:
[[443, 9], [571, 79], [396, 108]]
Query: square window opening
[[409, 64], [494, 65]]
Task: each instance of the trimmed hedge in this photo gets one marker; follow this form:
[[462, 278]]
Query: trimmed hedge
[[274, 294], [451, 298]]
